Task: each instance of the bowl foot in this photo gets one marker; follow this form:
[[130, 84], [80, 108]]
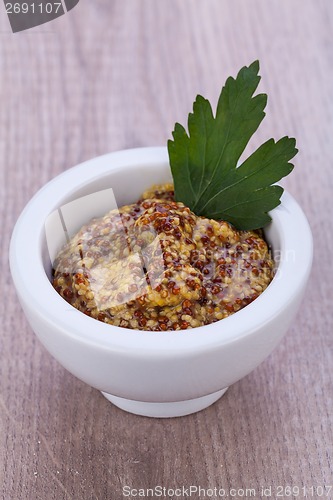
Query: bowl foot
[[165, 410]]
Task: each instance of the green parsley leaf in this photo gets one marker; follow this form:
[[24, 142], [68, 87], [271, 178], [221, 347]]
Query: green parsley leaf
[[204, 161]]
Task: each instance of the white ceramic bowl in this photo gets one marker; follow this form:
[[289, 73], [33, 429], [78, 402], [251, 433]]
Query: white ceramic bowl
[[154, 374]]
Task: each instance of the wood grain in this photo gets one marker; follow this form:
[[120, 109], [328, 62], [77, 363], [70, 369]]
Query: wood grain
[[118, 74]]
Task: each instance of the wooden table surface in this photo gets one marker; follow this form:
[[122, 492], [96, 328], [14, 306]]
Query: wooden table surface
[[117, 74]]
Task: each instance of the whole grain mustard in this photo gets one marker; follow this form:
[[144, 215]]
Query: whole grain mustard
[[155, 265]]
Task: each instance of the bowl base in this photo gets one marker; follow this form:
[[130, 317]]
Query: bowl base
[[165, 410]]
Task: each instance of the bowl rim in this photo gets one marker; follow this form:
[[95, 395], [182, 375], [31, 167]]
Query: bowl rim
[[288, 219]]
